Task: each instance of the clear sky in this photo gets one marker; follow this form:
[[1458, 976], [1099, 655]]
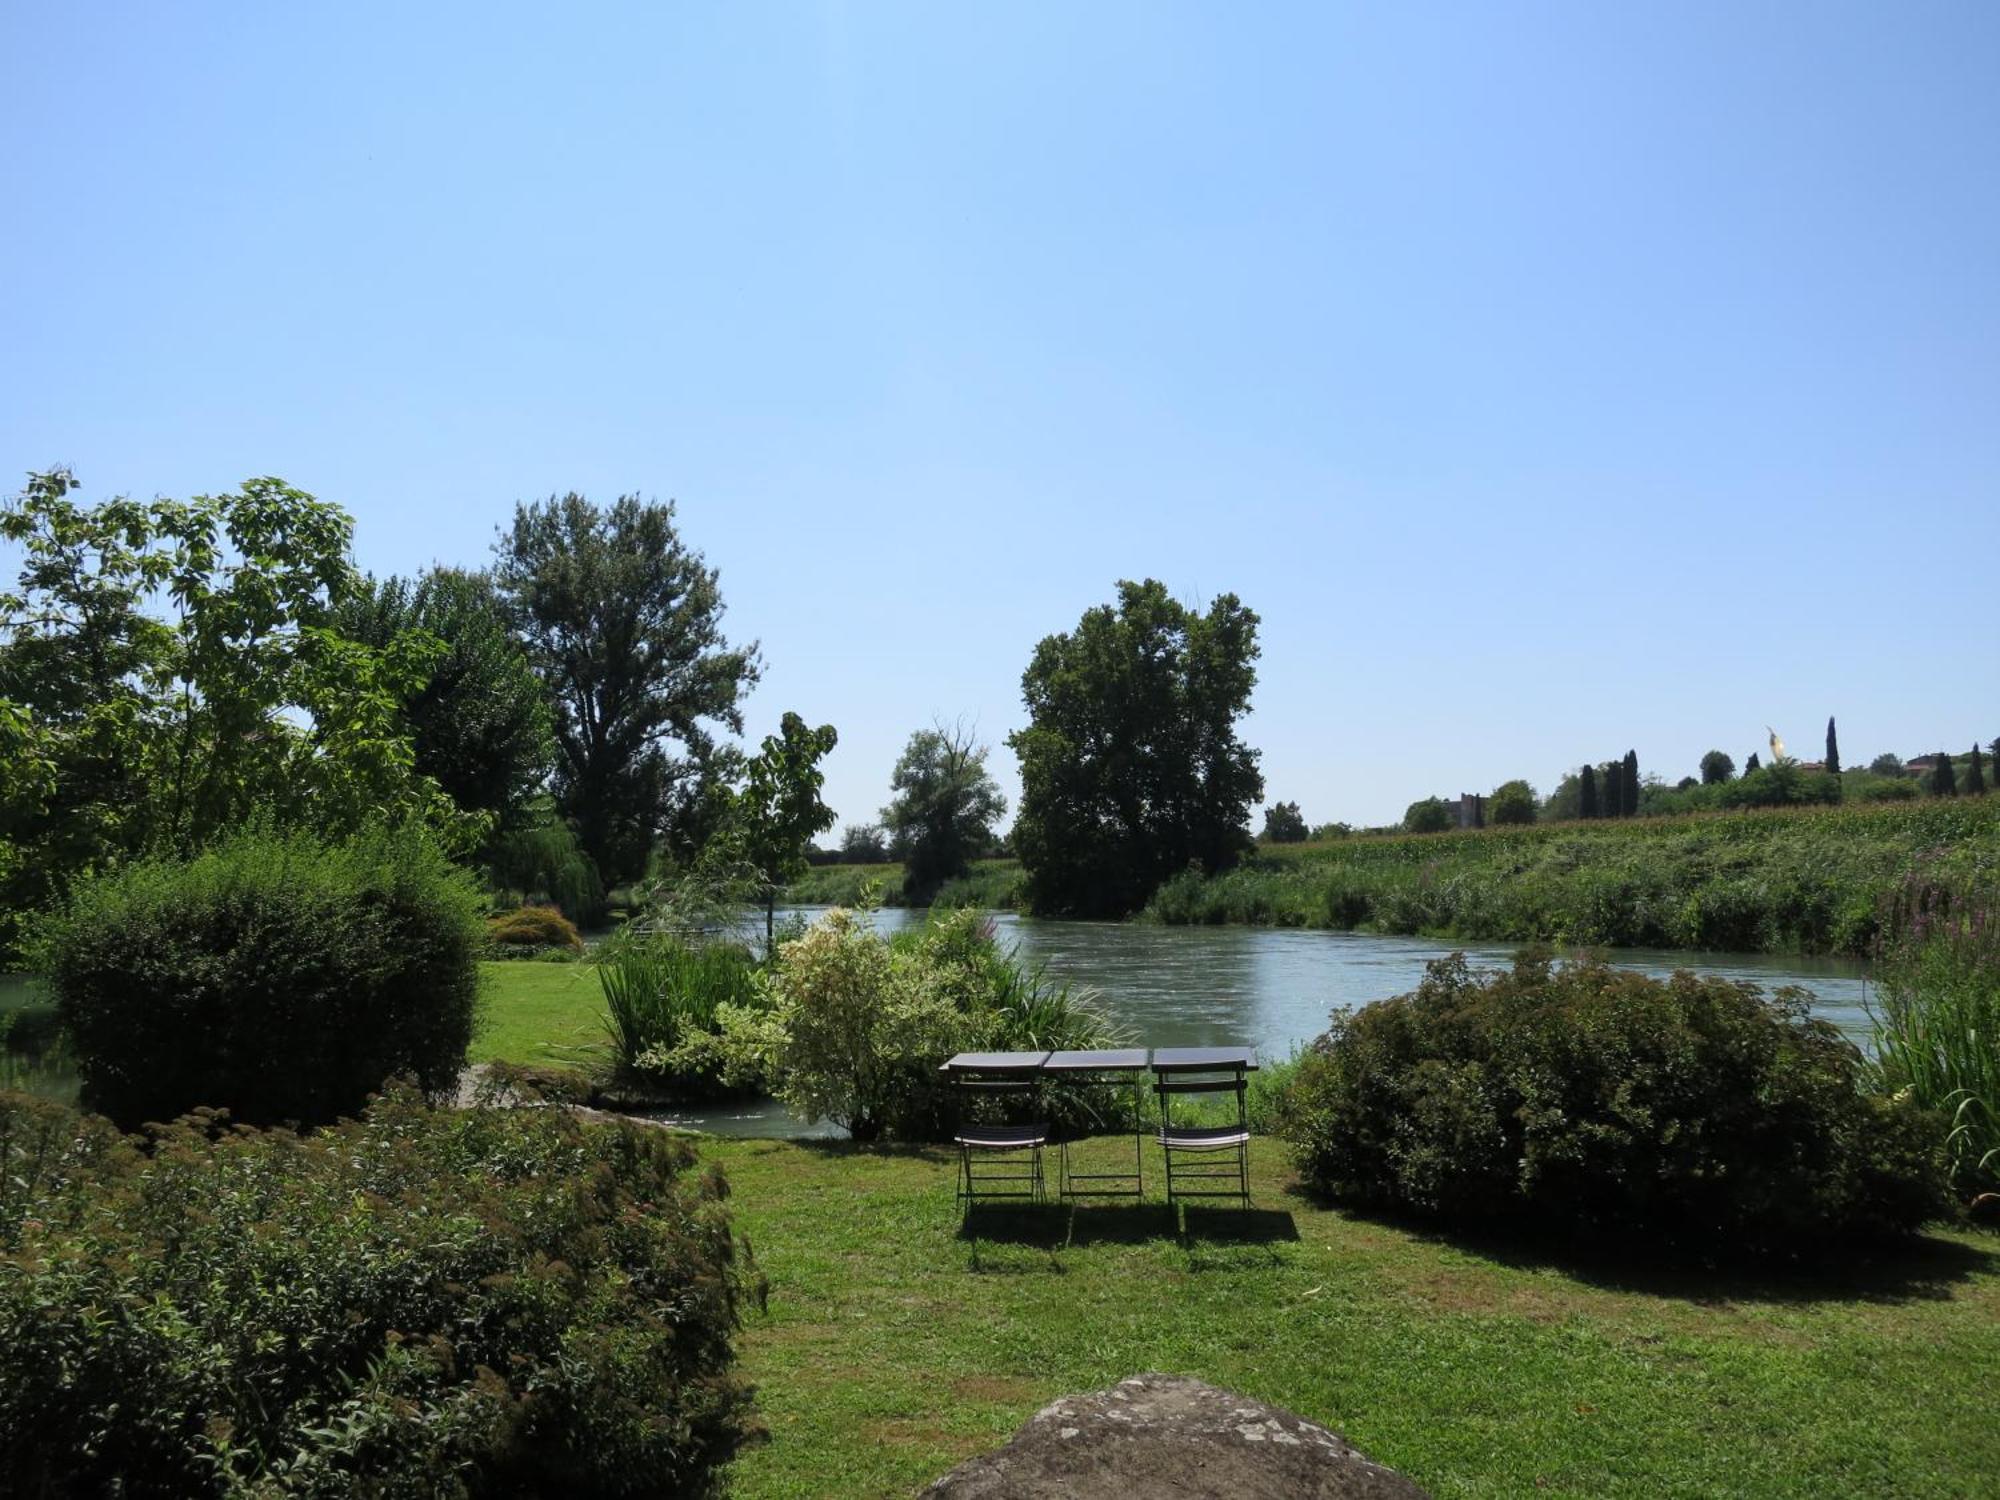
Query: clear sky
[[1551, 379]]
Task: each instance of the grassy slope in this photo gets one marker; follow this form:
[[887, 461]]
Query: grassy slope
[[892, 1349], [1779, 880]]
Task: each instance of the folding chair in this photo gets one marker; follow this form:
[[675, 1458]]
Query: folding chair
[[999, 1160], [1196, 1153]]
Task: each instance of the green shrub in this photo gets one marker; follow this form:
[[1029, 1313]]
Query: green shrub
[[275, 976], [863, 1023], [1584, 1099], [530, 931], [1937, 1017], [416, 1303]]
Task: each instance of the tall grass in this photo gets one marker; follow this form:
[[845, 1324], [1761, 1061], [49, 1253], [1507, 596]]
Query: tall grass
[[1937, 1017], [658, 990]]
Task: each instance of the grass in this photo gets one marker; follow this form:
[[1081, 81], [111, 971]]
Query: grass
[[541, 1013], [1810, 880], [892, 1348]]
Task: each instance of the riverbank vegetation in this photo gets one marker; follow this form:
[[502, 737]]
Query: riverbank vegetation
[[1811, 880]]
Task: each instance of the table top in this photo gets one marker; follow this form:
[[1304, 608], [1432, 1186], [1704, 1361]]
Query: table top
[[1203, 1059], [1098, 1060], [994, 1062]]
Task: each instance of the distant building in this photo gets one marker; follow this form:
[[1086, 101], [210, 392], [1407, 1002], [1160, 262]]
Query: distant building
[[1471, 810]]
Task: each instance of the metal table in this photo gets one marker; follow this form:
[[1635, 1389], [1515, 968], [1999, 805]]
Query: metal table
[[1104, 1065]]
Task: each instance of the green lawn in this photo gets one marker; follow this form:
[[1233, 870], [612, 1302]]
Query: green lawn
[[540, 1013], [892, 1348]]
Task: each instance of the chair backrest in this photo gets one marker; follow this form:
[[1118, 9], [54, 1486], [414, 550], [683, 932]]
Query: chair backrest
[[1219, 1081], [1009, 1087]]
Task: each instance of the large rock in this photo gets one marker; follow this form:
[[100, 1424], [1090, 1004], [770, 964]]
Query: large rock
[[1163, 1435]]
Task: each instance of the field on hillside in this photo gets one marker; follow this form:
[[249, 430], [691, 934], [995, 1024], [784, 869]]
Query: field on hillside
[[1809, 880]]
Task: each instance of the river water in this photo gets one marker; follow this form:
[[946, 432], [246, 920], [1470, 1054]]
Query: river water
[[1193, 986], [1274, 988]]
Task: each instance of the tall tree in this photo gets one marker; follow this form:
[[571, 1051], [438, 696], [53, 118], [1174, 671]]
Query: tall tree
[[1614, 789], [944, 808], [1628, 785], [1716, 768], [777, 813], [1944, 781], [1131, 768], [1587, 779], [1512, 802], [1832, 749], [1751, 764], [1975, 774], [624, 622], [480, 725], [1284, 823]]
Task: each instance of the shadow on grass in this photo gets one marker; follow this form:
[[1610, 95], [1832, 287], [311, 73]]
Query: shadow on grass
[[1923, 1268]]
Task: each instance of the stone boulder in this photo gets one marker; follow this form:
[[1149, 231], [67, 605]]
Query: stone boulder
[[1166, 1436]]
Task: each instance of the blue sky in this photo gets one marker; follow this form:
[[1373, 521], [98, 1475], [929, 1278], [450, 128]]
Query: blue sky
[[1552, 379]]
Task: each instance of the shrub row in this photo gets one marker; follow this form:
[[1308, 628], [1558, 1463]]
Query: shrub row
[[414, 1303]]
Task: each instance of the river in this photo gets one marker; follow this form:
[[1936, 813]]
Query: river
[[1274, 988]]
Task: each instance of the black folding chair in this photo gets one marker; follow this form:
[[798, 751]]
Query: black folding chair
[[1205, 1154], [999, 1159]]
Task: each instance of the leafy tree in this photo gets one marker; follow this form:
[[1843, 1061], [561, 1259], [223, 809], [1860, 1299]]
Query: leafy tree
[[863, 844], [1686, 783], [1975, 775], [1587, 780], [159, 734], [1430, 815], [1751, 764], [1511, 802], [480, 725], [945, 805], [1284, 824], [1131, 768], [1716, 768], [624, 622], [777, 812], [1322, 832], [1832, 749], [1886, 764], [1628, 785], [1944, 781]]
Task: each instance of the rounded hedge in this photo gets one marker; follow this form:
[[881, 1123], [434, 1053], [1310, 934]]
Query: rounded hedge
[[1582, 1098], [275, 976], [421, 1302]]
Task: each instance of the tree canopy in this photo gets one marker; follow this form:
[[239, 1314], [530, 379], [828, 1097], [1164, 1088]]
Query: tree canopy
[[1284, 824], [1716, 768], [1511, 802], [777, 812], [624, 622], [480, 723], [1131, 768], [944, 810]]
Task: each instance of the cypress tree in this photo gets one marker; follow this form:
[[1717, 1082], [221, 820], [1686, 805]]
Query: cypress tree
[[1587, 784], [1832, 749], [1750, 764], [1944, 780], [1629, 782], [1614, 790], [1975, 776]]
